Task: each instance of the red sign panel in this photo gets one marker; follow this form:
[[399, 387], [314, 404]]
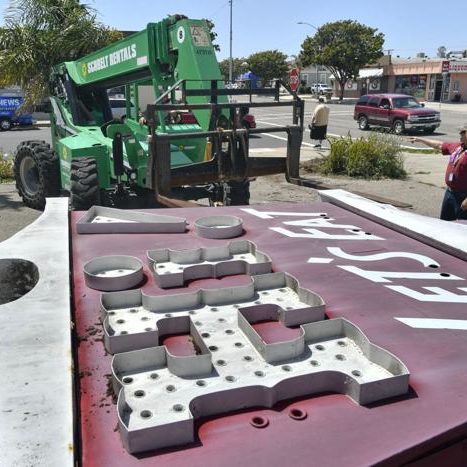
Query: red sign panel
[[445, 66], [294, 79], [407, 297]]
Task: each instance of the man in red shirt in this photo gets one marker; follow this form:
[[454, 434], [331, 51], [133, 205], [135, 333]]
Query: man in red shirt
[[455, 199]]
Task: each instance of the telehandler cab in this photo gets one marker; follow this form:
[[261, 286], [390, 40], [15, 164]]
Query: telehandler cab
[[98, 159]]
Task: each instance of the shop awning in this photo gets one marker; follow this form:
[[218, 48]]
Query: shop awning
[[370, 73]]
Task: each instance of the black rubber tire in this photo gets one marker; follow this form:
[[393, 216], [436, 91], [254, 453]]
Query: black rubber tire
[[398, 127], [84, 183], [5, 124], [237, 193], [37, 173], [363, 123]]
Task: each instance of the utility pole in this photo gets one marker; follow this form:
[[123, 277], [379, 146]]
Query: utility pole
[[231, 59], [316, 65]]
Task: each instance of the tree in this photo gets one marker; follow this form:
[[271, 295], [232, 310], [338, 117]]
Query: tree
[[268, 65], [343, 47], [41, 33], [212, 34], [239, 67]]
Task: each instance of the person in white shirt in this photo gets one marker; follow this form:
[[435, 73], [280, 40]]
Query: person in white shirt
[[319, 122]]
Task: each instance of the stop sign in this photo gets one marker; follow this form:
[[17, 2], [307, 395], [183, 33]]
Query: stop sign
[[294, 79]]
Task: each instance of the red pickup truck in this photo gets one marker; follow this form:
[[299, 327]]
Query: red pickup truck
[[399, 112]]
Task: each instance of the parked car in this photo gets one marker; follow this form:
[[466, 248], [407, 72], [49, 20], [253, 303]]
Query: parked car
[[321, 88], [8, 116], [399, 112], [118, 106]]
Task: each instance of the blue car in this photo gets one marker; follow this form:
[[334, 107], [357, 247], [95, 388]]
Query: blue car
[[8, 117]]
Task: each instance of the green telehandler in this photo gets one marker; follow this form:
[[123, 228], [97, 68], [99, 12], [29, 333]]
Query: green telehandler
[[188, 144]]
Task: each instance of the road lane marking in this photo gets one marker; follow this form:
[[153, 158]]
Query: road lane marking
[[429, 323]]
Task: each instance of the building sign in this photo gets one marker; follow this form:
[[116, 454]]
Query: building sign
[[445, 66], [351, 85], [455, 67]]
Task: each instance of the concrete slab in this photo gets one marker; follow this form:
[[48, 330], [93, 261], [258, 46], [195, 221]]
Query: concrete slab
[[36, 394]]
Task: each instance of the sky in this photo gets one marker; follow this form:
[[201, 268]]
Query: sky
[[409, 26]]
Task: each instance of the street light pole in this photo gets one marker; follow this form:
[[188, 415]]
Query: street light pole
[[231, 59], [316, 65]]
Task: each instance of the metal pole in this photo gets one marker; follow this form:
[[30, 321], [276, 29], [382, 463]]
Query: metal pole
[[231, 59], [317, 74]]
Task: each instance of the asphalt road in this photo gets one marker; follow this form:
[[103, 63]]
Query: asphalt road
[[341, 123], [10, 139]]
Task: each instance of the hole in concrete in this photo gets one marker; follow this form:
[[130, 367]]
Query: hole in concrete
[[433, 266], [238, 344], [120, 321], [127, 380], [122, 333], [368, 233], [286, 367], [148, 329], [259, 373], [213, 348], [198, 323], [230, 379], [17, 278], [221, 362], [314, 363], [282, 290], [280, 299], [170, 388], [341, 343], [139, 393], [205, 334], [111, 313], [133, 310], [221, 320], [145, 414], [214, 308], [355, 230], [201, 383], [178, 408], [160, 266], [297, 414], [229, 331], [168, 315], [340, 357], [319, 347], [357, 373], [258, 302], [445, 274], [144, 318], [259, 422], [154, 376], [247, 358], [323, 215]]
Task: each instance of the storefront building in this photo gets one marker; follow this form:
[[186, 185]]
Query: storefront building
[[458, 80], [438, 80]]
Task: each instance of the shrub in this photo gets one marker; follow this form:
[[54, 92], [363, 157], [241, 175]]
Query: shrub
[[6, 169], [376, 157]]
